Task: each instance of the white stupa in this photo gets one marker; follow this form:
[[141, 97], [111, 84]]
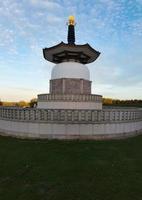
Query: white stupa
[[70, 85], [70, 70]]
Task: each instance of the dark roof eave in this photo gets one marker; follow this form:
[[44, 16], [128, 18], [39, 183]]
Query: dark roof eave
[[62, 44]]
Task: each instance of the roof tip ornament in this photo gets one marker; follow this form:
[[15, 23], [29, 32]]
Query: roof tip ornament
[[71, 30], [70, 51], [71, 20]]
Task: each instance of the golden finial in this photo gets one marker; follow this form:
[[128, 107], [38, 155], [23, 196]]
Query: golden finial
[[71, 20]]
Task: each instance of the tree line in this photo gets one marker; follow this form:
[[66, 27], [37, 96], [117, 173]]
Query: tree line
[[106, 102], [118, 102], [23, 104]]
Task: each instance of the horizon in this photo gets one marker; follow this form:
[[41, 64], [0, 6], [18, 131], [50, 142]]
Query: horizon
[[104, 98], [113, 28]]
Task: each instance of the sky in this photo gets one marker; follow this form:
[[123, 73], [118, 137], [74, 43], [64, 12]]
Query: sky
[[113, 27]]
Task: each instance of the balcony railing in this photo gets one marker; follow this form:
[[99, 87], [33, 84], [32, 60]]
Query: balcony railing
[[70, 116]]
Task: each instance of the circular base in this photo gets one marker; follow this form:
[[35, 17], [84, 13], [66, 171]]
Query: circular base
[[69, 101]]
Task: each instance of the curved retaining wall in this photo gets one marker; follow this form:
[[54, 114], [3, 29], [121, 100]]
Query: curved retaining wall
[[70, 124]]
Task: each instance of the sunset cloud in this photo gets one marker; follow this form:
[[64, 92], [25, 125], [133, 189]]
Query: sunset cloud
[[112, 27]]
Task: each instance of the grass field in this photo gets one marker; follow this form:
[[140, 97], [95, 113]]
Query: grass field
[[70, 170]]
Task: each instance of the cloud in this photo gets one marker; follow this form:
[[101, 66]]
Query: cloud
[[6, 37], [136, 27], [112, 27], [53, 19], [46, 4]]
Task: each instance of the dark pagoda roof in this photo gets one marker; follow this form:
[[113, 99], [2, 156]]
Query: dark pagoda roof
[[71, 52]]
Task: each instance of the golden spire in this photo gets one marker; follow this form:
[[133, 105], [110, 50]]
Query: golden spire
[[71, 20]]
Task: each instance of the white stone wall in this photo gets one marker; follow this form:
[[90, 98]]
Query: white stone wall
[[69, 131], [69, 105], [69, 101], [70, 124]]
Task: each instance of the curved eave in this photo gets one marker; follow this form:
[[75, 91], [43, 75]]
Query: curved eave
[[61, 47]]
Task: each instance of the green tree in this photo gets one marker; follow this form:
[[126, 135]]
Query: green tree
[[22, 104], [33, 103], [1, 103]]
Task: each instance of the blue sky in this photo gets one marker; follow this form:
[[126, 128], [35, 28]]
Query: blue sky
[[113, 27]]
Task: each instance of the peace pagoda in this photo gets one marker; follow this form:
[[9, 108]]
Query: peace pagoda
[[70, 84], [70, 110]]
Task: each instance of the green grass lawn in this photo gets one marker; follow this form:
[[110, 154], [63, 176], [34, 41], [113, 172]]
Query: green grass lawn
[[70, 170]]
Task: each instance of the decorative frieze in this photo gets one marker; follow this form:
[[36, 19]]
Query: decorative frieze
[[70, 97]]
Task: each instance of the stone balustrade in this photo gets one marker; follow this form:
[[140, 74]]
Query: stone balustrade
[[70, 97], [70, 116]]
